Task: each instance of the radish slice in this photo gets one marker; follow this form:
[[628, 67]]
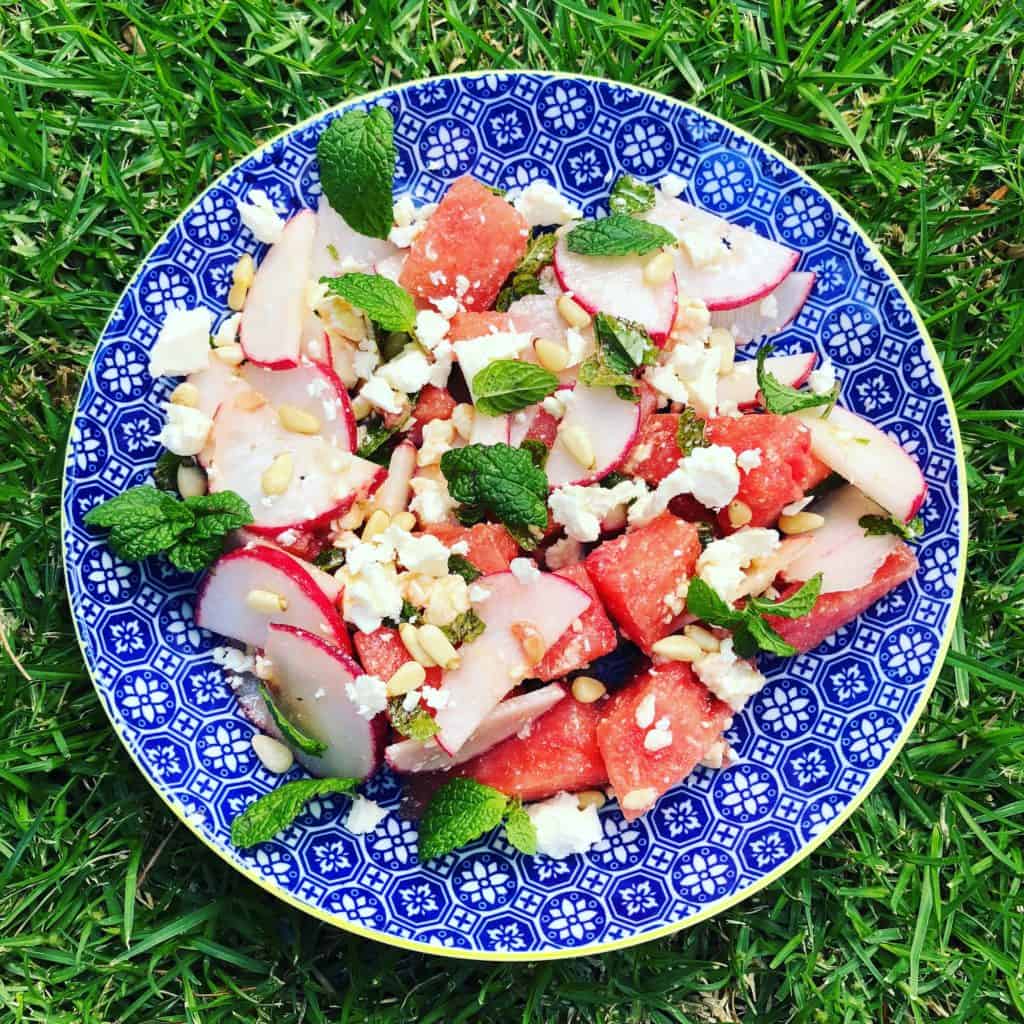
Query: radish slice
[[751, 323], [313, 388], [750, 267], [868, 459], [490, 429], [762, 572], [538, 315], [616, 285], [275, 308], [505, 720], [310, 677], [520, 423], [739, 388], [393, 494], [324, 580], [494, 664], [216, 384], [333, 233], [222, 606], [325, 479], [610, 422], [840, 550], [391, 268]]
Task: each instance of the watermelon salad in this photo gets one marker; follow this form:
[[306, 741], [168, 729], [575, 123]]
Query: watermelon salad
[[507, 499]]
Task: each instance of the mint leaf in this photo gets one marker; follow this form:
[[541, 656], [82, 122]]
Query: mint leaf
[[527, 537], [617, 235], [626, 345], [383, 301], [274, 812], [459, 565], [330, 559], [525, 279], [217, 514], [613, 479], [630, 195], [418, 724], [142, 522], [461, 811], [378, 440], [507, 385], [498, 482], [292, 733], [704, 602], [781, 398], [879, 526], [357, 167], [464, 628], [520, 831], [538, 450], [764, 638], [690, 432], [795, 606], [596, 373], [191, 554]]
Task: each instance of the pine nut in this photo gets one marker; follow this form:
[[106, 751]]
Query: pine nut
[[264, 668], [185, 394], [278, 475], [266, 602], [229, 355], [410, 676], [704, 639], [551, 355], [739, 513], [577, 444], [531, 642], [250, 400], [353, 518], [273, 754], [377, 523], [191, 481], [418, 590], [724, 341], [241, 281], [638, 799], [361, 408], [590, 798], [586, 689], [802, 522], [404, 521], [438, 646], [407, 631], [462, 419], [658, 269], [298, 421], [572, 312], [678, 648]]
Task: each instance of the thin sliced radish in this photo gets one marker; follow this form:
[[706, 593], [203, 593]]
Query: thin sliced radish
[[316, 343], [391, 267], [324, 481], [868, 459], [494, 664], [616, 285], [840, 550], [309, 689], [762, 571], [313, 388], [275, 308], [216, 384], [324, 580], [223, 605], [337, 248], [739, 388], [538, 315], [520, 423], [750, 265], [611, 424], [490, 429], [767, 315], [505, 720]]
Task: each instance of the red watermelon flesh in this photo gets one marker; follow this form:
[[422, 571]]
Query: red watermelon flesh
[[465, 326], [491, 547], [382, 654], [695, 720], [832, 611], [576, 649], [433, 403], [655, 453], [472, 234], [559, 752], [636, 572]]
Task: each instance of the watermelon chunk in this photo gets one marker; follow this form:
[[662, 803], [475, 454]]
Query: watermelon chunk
[[655, 453], [434, 403], [695, 720], [637, 576], [557, 753], [578, 648], [491, 547], [466, 326], [382, 654], [472, 234], [834, 610]]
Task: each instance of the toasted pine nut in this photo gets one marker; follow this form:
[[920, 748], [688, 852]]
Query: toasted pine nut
[[273, 754], [409, 676], [551, 355], [298, 421], [438, 646], [185, 394], [353, 518], [802, 522], [739, 513], [418, 590], [704, 639], [404, 521], [278, 475], [377, 523], [407, 632], [590, 798], [678, 648], [586, 689], [229, 355], [658, 269], [250, 400], [462, 419], [264, 668], [638, 799], [572, 312], [266, 602], [245, 271], [531, 641], [577, 444], [191, 481], [361, 408], [724, 341]]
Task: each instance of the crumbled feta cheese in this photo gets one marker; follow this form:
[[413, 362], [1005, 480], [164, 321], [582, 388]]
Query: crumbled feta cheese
[[578, 346], [431, 501], [460, 547], [478, 593], [692, 323], [227, 332], [644, 713], [542, 204], [797, 506], [438, 436], [436, 697], [664, 380], [722, 562], [563, 828], [411, 701], [727, 677], [442, 368], [749, 459], [714, 478], [371, 595], [476, 353], [407, 372], [185, 431], [364, 816], [698, 368], [183, 344], [431, 328], [378, 393], [420, 553], [769, 306], [447, 306], [233, 659], [260, 217], [365, 360], [659, 737], [581, 510], [565, 551], [525, 570], [822, 379], [369, 694], [404, 211], [672, 185], [704, 249]]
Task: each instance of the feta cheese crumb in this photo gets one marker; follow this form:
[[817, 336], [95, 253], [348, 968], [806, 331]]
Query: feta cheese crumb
[[377, 391], [477, 593], [436, 697], [823, 378], [722, 562], [260, 217], [372, 594], [233, 659], [431, 501], [476, 353], [581, 509], [411, 701], [563, 828], [672, 185], [364, 816], [447, 306], [525, 570], [185, 431], [769, 306], [704, 248], [422, 553], [183, 344], [554, 406], [727, 677], [713, 475], [749, 459], [369, 694], [407, 372], [542, 204], [460, 547], [431, 328], [644, 713]]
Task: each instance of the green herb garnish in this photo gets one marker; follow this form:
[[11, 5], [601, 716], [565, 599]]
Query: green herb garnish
[[459, 565], [629, 195], [292, 733], [384, 302], [464, 629], [690, 432], [781, 398], [878, 526], [617, 235], [525, 279], [418, 724], [507, 385], [274, 812]]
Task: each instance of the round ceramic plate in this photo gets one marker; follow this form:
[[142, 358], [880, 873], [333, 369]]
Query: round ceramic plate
[[811, 745]]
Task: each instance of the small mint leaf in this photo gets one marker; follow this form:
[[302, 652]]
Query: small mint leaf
[[274, 812], [617, 235], [383, 301], [507, 385], [461, 811]]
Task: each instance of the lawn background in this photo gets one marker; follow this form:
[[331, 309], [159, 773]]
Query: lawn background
[[115, 115]]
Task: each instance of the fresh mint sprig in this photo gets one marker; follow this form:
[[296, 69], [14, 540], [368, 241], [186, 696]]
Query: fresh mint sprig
[[387, 304], [418, 724], [507, 385], [525, 279], [629, 195], [618, 234], [690, 432], [274, 812], [464, 628], [781, 398], [293, 735]]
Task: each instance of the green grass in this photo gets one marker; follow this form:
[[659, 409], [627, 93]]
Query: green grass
[[910, 114]]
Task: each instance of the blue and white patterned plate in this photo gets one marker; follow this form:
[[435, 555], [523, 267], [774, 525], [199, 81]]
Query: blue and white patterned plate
[[811, 745]]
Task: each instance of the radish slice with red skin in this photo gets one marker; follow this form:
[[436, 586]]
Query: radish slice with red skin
[[494, 664], [216, 384], [275, 308], [310, 677], [747, 323], [324, 580], [505, 720], [616, 285], [221, 606], [740, 386], [538, 314], [868, 458], [763, 571], [332, 232]]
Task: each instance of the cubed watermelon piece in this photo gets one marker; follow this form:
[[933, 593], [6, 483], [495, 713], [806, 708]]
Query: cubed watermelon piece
[[655, 452], [543, 428], [638, 575], [382, 654], [558, 752], [433, 403], [491, 547], [817, 472], [695, 721], [472, 234], [832, 611], [576, 649], [465, 326]]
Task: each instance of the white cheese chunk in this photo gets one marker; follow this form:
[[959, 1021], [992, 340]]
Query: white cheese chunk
[[364, 816], [185, 431], [260, 216], [542, 204], [562, 828], [183, 344], [369, 694]]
